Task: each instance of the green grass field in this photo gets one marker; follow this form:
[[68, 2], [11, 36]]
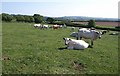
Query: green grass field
[[26, 50]]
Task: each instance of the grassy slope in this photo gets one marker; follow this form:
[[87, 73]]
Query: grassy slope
[[36, 51]]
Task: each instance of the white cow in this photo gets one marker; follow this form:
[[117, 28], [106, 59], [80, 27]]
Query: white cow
[[88, 34], [72, 29], [64, 26], [74, 34], [45, 26], [37, 25], [75, 44]]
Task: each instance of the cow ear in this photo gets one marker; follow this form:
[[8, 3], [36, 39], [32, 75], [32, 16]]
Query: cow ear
[[97, 32], [63, 38]]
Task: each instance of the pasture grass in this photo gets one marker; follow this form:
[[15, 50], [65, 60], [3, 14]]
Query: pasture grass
[[105, 26], [26, 50]]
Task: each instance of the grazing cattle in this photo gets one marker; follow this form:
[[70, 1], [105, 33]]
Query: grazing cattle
[[37, 25], [41, 26], [45, 26], [75, 44], [74, 34], [103, 32], [56, 26], [61, 26], [88, 34], [64, 26], [72, 29]]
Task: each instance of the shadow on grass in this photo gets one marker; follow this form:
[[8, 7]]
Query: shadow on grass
[[62, 48]]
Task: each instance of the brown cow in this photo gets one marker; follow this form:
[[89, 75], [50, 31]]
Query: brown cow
[[56, 26]]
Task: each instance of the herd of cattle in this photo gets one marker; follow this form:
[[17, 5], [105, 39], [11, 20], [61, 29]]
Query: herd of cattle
[[43, 26], [90, 33]]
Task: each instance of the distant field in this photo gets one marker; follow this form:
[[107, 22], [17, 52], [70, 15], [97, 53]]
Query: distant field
[[101, 23], [26, 50]]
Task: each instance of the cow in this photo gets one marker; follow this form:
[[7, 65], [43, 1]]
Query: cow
[[74, 34], [72, 29], [75, 44], [56, 26], [88, 34], [37, 25]]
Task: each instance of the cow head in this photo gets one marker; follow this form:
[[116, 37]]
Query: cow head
[[99, 34], [67, 40]]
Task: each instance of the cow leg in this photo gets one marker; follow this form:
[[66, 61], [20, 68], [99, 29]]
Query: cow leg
[[91, 43], [80, 38], [90, 46], [77, 38]]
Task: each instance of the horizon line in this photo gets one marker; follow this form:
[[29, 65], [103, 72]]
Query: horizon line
[[56, 16]]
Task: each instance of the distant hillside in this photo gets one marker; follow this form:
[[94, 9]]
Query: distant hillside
[[83, 18]]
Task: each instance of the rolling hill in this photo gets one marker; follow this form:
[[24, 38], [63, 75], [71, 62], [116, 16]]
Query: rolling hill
[[85, 18]]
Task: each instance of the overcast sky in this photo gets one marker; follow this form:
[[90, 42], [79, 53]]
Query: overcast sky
[[58, 8]]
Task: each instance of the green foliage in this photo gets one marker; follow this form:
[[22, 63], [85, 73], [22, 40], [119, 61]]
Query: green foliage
[[22, 18], [91, 23], [117, 27], [6, 17], [67, 21], [50, 20], [28, 18], [38, 18], [31, 19], [107, 28], [19, 18]]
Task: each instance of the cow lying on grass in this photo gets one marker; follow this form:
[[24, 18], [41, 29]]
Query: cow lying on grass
[[75, 44], [104, 31]]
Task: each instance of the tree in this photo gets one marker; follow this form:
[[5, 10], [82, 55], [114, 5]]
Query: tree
[[27, 18], [7, 17], [66, 21], [91, 23], [19, 18], [31, 19], [38, 18], [50, 20]]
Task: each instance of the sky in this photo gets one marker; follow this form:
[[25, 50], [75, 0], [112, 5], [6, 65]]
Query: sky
[[59, 8]]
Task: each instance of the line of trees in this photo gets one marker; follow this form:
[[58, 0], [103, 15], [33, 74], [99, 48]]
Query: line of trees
[[37, 18], [6, 17]]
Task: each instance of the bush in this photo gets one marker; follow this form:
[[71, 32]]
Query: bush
[[117, 27], [103, 28], [6, 17], [91, 23]]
